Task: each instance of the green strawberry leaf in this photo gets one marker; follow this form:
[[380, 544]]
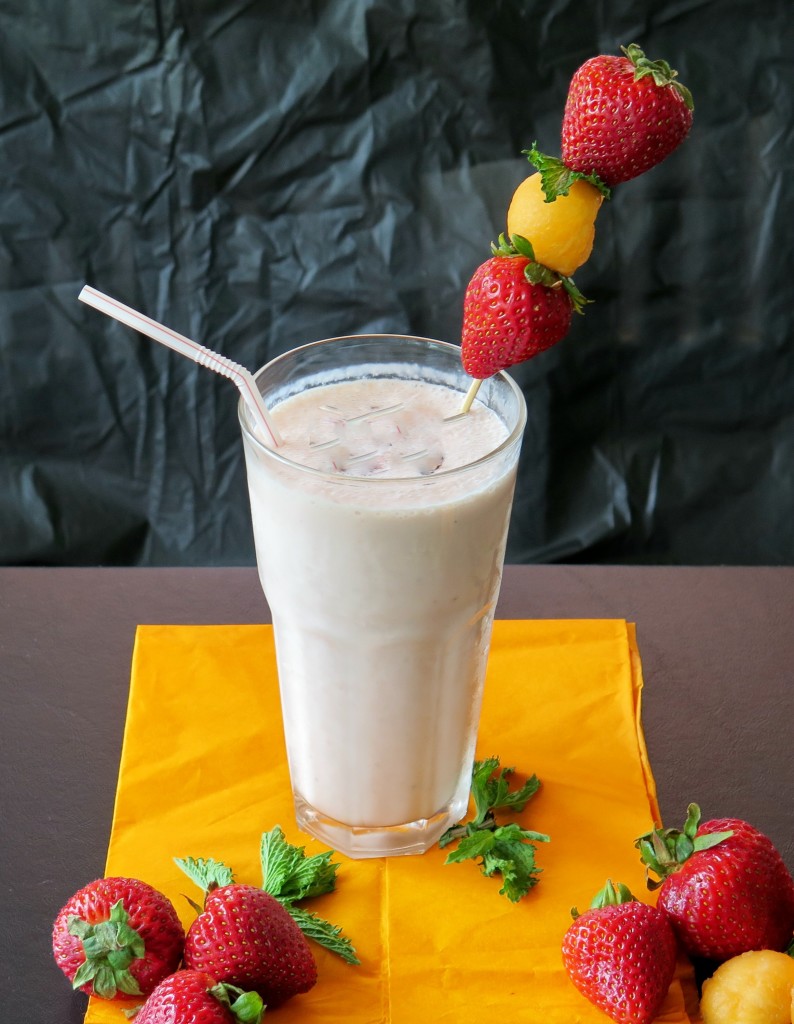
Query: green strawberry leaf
[[692, 821], [208, 874], [85, 973], [536, 273], [246, 1007], [522, 246], [578, 301], [710, 839], [126, 983], [684, 847], [612, 896], [104, 983], [556, 179]]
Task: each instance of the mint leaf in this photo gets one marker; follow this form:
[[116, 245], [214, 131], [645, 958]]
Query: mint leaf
[[208, 874], [471, 846], [324, 934], [507, 849], [288, 874]]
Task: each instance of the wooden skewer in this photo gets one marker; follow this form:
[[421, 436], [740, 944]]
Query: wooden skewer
[[471, 394]]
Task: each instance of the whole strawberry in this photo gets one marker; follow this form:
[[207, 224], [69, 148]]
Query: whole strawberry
[[193, 997], [623, 115], [723, 884], [245, 937], [513, 309], [116, 937], [621, 955]]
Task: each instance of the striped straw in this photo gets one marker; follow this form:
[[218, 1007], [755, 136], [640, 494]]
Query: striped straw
[[186, 347]]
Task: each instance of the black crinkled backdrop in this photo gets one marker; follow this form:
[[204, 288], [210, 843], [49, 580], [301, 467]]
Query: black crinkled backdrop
[[261, 173]]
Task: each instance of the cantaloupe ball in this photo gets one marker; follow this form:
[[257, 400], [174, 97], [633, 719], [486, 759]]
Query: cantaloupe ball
[[561, 232], [753, 988]]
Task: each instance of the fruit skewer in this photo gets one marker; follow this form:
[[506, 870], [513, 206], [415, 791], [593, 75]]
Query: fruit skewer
[[623, 115]]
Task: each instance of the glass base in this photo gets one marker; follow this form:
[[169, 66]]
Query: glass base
[[359, 841]]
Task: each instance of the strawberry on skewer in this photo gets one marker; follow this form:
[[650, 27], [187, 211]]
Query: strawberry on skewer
[[623, 115], [514, 308]]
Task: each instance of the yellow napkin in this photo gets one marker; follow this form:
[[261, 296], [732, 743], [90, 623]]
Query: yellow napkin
[[203, 774]]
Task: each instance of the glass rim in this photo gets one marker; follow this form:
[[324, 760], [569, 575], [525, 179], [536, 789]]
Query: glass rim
[[344, 478]]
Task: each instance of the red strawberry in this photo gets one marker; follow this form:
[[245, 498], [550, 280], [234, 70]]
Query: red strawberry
[[621, 955], [623, 115], [117, 936], [192, 997], [514, 308], [723, 884], [245, 937]]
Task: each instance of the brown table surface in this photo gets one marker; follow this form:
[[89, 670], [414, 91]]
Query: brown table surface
[[717, 649]]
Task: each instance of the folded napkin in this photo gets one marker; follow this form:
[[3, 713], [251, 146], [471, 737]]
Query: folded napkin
[[203, 774]]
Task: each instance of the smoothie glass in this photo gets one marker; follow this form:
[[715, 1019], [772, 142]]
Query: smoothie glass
[[382, 593]]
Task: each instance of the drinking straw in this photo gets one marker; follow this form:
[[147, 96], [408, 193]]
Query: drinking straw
[[186, 347]]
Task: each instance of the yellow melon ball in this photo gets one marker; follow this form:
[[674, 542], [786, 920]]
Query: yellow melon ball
[[561, 232], [753, 988]]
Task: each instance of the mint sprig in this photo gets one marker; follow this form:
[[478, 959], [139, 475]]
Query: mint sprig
[[506, 849], [290, 876]]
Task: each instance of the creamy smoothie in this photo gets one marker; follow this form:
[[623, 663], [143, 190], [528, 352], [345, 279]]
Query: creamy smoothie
[[380, 526]]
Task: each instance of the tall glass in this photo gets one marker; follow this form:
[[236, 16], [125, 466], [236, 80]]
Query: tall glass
[[382, 593]]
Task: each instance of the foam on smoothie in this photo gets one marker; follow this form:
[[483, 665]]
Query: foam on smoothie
[[387, 428]]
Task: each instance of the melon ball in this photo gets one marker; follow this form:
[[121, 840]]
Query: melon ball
[[752, 988]]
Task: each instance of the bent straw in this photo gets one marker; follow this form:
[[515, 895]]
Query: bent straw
[[186, 347]]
